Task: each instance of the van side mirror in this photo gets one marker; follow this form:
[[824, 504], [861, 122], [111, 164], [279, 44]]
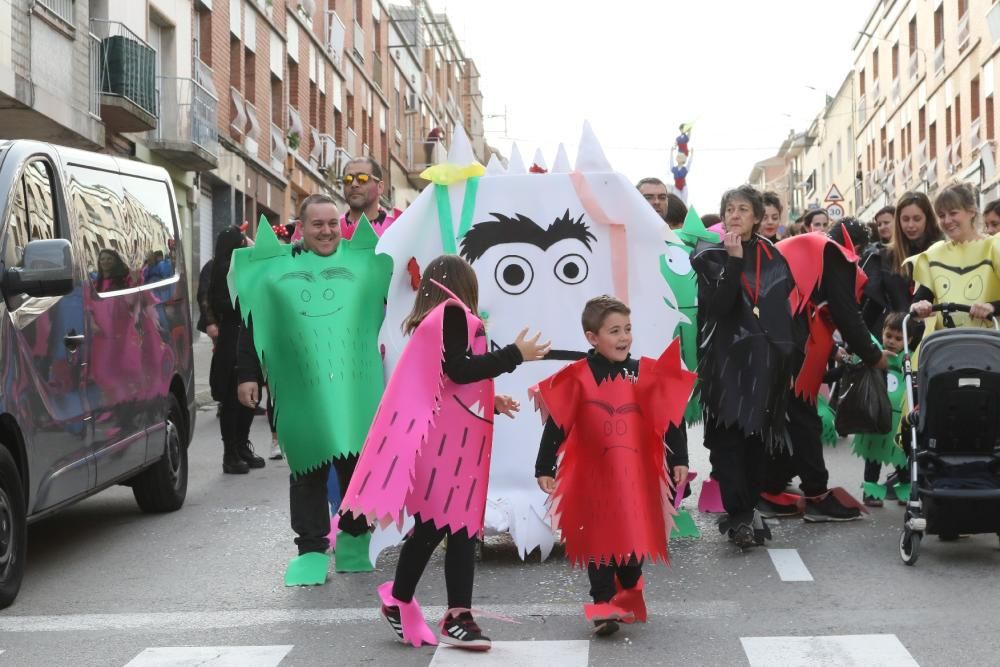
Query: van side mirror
[[46, 270]]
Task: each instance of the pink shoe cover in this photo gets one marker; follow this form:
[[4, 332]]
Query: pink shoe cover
[[710, 498], [631, 600], [415, 629], [607, 611]]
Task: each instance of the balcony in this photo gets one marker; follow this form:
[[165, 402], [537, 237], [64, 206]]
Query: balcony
[[876, 92], [279, 149], [913, 65], [862, 110], [186, 134], [127, 78], [894, 91], [939, 58], [335, 34], [424, 153], [963, 32]]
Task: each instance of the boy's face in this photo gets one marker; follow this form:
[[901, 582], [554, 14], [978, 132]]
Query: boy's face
[[892, 340], [613, 340]]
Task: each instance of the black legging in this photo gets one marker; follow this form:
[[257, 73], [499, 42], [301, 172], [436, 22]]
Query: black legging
[[235, 418], [602, 577], [459, 563], [738, 462], [309, 506]]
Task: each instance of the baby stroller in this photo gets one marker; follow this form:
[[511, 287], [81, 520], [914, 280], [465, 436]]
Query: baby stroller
[[954, 434]]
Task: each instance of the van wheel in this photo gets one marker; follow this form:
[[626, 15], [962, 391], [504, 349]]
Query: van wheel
[[163, 487], [13, 529]]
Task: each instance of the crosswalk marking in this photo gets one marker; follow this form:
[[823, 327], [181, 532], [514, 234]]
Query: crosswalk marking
[[572, 653], [789, 565], [841, 650], [211, 656]]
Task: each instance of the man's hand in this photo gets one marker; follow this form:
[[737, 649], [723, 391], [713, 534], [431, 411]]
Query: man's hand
[[546, 483], [680, 475], [212, 330], [733, 244], [505, 405], [248, 394]]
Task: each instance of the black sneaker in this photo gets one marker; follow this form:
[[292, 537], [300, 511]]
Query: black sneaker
[[761, 531], [247, 454], [828, 508], [742, 536], [392, 617], [605, 627], [872, 501], [462, 632]]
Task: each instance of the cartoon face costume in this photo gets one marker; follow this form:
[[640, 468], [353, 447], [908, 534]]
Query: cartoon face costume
[[749, 352], [428, 450], [805, 256], [964, 273], [541, 246], [882, 447], [315, 323], [675, 267], [612, 497]]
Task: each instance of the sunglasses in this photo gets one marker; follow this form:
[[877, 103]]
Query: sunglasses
[[361, 178]]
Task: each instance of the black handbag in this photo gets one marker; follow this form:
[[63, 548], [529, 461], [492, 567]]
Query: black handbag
[[863, 401]]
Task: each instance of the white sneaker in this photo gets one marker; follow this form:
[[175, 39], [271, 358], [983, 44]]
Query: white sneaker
[[275, 451]]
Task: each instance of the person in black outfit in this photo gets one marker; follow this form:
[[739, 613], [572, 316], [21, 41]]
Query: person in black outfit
[[748, 351], [234, 419], [836, 286]]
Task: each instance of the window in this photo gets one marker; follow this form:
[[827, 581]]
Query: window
[[235, 63], [204, 33], [293, 83], [909, 139], [913, 36], [840, 160], [958, 116], [875, 64], [277, 100], [250, 77], [922, 124], [61, 8], [989, 118], [861, 82], [939, 26], [892, 150], [895, 60], [974, 99], [963, 6], [32, 214], [932, 142]]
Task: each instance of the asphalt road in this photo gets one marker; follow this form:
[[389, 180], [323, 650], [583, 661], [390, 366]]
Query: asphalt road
[[107, 585]]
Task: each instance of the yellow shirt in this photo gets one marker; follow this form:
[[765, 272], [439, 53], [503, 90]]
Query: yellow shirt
[[964, 273]]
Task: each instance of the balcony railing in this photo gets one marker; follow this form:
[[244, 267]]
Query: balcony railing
[[963, 31], [939, 57], [913, 65], [894, 91], [359, 42], [279, 149], [128, 72], [95, 75], [862, 109], [335, 34], [424, 153], [187, 114], [876, 91], [351, 142]]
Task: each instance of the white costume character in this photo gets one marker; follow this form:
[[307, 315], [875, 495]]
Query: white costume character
[[541, 244]]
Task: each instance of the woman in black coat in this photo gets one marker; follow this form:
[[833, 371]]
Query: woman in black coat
[[234, 418]]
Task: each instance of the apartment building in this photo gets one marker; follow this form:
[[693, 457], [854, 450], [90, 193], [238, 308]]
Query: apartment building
[[925, 73]]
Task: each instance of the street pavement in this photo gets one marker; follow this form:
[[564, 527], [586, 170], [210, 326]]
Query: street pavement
[[107, 585]]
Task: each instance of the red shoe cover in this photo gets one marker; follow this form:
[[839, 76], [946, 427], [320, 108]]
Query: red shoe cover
[[845, 498], [710, 498], [606, 611], [631, 600], [415, 630], [785, 498]]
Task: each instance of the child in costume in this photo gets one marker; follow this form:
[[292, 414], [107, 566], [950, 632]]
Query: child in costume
[[427, 454], [879, 448], [608, 416]]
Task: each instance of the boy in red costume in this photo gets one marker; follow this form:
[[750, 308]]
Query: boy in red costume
[[608, 418]]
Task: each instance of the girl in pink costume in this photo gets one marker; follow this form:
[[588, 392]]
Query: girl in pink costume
[[427, 454]]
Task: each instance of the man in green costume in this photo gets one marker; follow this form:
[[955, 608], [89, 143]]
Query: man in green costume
[[314, 312]]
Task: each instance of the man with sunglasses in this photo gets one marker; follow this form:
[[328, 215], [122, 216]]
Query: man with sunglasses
[[363, 186]]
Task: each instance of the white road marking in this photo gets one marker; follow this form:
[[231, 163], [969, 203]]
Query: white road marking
[[211, 656], [574, 653], [243, 618], [840, 650], [789, 565]]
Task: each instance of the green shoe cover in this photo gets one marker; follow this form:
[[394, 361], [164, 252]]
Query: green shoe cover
[[874, 490], [352, 553], [684, 526], [309, 569], [903, 491]]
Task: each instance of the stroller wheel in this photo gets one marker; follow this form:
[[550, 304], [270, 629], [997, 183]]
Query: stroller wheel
[[909, 546]]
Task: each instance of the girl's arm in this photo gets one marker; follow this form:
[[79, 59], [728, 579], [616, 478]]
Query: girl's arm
[[463, 367], [552, 437]]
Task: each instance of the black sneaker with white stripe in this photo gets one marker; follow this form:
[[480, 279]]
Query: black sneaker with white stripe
[[391, 616], [462, 632]]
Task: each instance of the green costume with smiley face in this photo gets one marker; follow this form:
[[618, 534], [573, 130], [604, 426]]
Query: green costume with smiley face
[[315, 323], [675, 267]]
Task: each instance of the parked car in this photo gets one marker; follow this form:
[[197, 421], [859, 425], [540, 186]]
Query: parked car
[[96, 371]]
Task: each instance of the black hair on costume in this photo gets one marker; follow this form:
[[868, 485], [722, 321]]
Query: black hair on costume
[[522, 229]]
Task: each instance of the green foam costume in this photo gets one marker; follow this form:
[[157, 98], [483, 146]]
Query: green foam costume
[[675, 267], [315, 323]]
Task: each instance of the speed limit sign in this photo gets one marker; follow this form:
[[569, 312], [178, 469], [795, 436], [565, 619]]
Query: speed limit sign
[[835, 211]]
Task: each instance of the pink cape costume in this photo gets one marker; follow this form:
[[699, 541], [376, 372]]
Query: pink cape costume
[[428, 450]]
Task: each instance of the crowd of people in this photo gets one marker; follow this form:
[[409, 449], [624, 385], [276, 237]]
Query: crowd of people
[[779, 307]]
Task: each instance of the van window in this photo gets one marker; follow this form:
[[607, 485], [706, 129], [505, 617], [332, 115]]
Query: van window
[[33, 212], [127, 228]]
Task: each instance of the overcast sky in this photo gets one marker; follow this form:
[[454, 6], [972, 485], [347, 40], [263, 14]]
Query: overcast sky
[[741, 70]]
